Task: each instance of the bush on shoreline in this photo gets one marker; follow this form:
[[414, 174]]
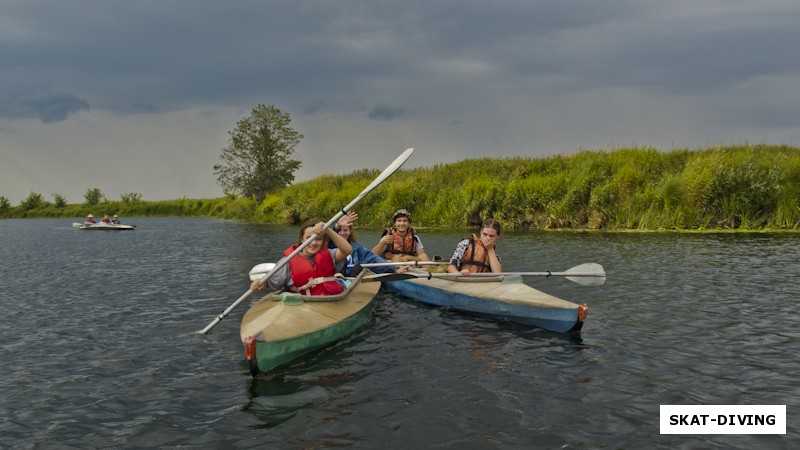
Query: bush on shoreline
[[753, 187]]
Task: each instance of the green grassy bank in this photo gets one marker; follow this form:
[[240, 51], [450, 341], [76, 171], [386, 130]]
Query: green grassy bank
[[752, 187]]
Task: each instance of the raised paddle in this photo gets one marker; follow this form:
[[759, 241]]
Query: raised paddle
[[589, 274], [283, 261]]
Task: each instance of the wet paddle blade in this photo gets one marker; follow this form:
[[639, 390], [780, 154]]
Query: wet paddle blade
[[589, 274]]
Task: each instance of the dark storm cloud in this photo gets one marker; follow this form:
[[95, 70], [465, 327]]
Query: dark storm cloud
[[181, 53], [315, 107], [52, 107], [465, 77], [386, 112]]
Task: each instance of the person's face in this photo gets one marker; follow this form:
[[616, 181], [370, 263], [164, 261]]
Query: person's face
[[402, 224], [489, 234], [315, 245], [344, 231]]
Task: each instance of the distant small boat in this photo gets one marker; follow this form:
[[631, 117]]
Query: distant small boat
[[503, 298], [282, 327], [102, 226]]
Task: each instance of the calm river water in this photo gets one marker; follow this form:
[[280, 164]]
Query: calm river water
[[99, 345]]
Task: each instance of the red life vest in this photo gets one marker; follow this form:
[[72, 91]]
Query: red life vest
[[403, 245], [303, 272], [476, 258]]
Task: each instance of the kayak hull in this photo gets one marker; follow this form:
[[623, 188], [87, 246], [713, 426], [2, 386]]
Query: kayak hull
[[500, 298], [272, 354], [282, 328]]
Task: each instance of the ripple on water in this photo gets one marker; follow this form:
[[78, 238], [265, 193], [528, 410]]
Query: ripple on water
[[100, 346]]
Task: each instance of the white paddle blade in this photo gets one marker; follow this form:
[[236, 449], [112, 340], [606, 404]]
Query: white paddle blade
[[260, 270], [589, 274], [387, 172]]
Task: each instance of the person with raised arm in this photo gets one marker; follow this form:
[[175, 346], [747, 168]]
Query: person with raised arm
[[360, 254], [312, 271]]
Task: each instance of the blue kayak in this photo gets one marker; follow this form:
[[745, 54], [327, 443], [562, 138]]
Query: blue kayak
[[499, 298]]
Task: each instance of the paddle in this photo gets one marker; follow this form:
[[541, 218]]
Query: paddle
[[260, 270], [383, 176], [403, 263], [589, 274]]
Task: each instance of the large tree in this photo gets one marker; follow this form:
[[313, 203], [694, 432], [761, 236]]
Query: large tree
[[258, 159]]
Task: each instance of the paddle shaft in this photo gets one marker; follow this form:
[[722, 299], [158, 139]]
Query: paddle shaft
[[589, 274], [383, 176], [407, 275], [254, 270], [531, 274], [402, 263]]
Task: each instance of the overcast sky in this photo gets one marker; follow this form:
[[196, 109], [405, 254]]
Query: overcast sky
[[139, 96]]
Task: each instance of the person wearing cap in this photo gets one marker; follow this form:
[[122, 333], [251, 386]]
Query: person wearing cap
[[116, 220], [89, 219], [401, 243], [360, 254]]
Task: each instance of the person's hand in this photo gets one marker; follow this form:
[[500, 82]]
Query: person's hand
[[402, 269], [318, 228], [256, 285], [487, 242], [347, 219], [465, 273]]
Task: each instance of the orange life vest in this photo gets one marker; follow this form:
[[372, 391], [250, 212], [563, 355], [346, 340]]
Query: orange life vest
[[476, 258], [303, 272], [403, 245]]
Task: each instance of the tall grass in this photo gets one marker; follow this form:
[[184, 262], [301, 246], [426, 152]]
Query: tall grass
[[752, 187], [735, 187]]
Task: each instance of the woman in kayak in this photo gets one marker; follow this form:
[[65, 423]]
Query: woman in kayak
[[477, 254], [312, 271]]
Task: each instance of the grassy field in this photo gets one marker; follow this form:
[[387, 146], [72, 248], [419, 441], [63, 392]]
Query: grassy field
[[747, 187]]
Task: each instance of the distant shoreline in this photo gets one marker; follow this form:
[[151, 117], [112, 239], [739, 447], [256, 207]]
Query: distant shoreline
[[378, 229], [722, 189]]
